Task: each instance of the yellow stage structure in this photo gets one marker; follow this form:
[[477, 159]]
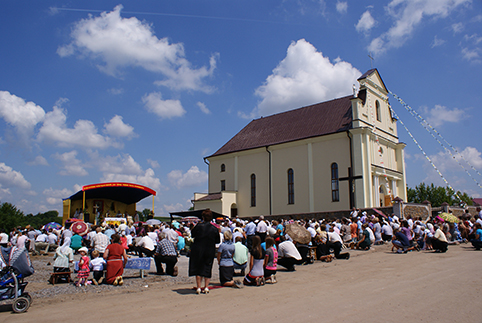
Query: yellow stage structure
[[114, 198]]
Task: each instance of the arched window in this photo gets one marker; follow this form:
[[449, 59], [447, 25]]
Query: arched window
[[377, 110], [291, 186], [253, 190], [223, 168], [335, 192]]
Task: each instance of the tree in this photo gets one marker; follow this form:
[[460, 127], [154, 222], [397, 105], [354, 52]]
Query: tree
[[40, 219], [10, 216], [436, 195], [145, 214]]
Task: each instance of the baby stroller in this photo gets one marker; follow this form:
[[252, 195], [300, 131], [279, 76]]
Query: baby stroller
[[16, 266]]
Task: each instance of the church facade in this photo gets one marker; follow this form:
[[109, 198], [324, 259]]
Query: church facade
[[329, 156]]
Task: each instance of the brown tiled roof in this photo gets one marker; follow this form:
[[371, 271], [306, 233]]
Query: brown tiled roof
[[311, 121], [211, 197]]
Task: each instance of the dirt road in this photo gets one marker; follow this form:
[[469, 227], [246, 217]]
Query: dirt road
[[373, 286]]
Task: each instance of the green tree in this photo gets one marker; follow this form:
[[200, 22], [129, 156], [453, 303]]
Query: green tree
[[436, 195], [40, 219], [145, 215], [10, 216]]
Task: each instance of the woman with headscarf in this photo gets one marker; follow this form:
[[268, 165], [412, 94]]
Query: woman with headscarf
[[203, 251], [63, 257], [114, 254]]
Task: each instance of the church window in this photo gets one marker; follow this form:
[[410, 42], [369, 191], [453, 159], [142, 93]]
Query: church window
[[253, 190], [291, 186], [377, 110], [335, 192], [223, 168], [223, 185]]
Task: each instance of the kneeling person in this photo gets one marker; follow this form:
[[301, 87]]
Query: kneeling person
[[165, 253]]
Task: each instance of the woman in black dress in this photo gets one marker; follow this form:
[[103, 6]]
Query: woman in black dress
[[203, 251]]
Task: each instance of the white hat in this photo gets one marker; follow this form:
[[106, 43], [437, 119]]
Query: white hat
[[84, 249]]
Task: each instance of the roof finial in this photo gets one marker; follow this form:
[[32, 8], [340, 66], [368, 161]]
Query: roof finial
[[371, 60], [354, 91]]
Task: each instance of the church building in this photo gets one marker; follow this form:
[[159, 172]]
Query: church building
[[329, 156]]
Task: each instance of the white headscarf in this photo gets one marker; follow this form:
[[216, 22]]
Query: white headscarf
[[65, 245]]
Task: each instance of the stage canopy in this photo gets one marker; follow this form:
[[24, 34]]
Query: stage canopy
[[127, 193]]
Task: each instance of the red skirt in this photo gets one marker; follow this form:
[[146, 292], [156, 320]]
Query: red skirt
[[115, 268]]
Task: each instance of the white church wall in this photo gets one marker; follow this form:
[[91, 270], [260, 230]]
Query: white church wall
[[254, 162], [333, 149], [287, 157], [216, 176]]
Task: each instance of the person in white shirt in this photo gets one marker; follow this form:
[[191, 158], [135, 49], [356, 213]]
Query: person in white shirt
[[335, 242], [3, 238], [171, 235], [52, 238], [288, 255], [439, 240], [100, 241], [387, 232], [151, 234], [122, 228], [41, 243], [261, 229], [145, 247]]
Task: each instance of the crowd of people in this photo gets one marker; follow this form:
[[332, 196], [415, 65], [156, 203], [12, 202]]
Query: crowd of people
[[256, 247]]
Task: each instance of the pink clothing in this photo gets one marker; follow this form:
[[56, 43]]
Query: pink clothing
[[84, 268]]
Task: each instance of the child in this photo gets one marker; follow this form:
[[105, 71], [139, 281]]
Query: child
[[84, 269], [256, 275], [270, 261], [97, 267]]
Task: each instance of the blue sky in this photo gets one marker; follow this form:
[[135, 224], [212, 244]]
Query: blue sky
[[141, 91]]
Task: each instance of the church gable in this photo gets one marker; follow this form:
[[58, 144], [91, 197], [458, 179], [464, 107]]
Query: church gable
[[373, 78], [311, 121]]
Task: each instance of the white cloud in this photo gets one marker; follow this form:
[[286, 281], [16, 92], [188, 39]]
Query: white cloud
[[39, 160], [471, 55], [148, 179], [53, 11], [453, 168], [203, 108], [153, 163], [437, 42], [457, 28], [84, 133], [115, 91], [441, 114], [117, 128], [408, 14], [477, 18], [304, 77], [470, 155], [177, 207], [123, 168], [474, 38], [366, 23], [10, 178], [124, 164], [341, 6], [165, 109], [54, 196], [473, 51], [23, 116], [119, 42], [192, 177], [71, 166]]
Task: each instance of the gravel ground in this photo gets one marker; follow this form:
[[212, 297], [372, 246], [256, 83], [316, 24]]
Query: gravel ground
[[40, 288]]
